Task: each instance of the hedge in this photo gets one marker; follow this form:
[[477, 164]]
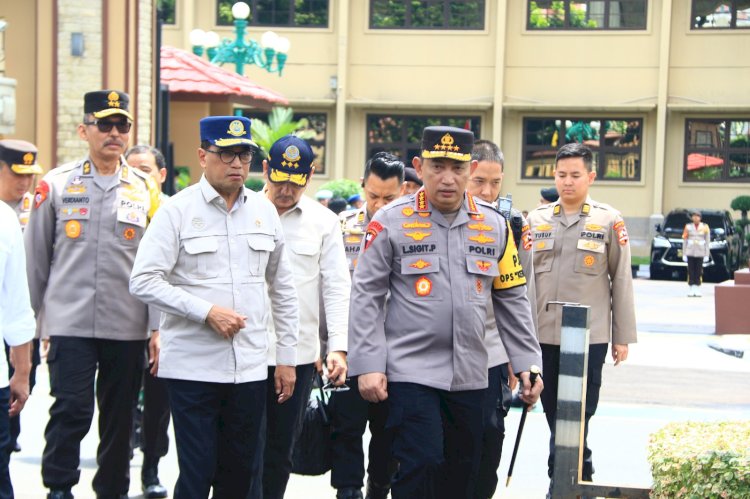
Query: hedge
[[697, 460]]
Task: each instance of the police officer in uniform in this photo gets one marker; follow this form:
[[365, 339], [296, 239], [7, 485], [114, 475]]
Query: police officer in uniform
[[696, 249], [581, 255], [381, 184], [18, 167], [485, 183], [441, 254], [87, 221]]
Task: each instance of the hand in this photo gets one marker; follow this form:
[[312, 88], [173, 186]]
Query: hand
[[684, 258], [225, 322], [284, 379], [319, 366], [512, 379], [154, 347], [530, 394], [619, 353], [44, 348], [373, 387], [706, 259], [19, 393], [336, 365]]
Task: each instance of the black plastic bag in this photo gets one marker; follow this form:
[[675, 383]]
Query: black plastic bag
[[312, 452]]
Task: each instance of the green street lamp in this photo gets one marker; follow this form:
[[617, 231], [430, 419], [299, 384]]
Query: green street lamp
[[272, 47]]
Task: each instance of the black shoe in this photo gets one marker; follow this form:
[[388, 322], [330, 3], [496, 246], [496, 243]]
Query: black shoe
[[155, 490], [349, 493], [376, 491], [60, 494], [150, 484]]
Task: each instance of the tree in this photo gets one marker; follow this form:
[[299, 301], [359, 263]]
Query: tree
[[280, 123]]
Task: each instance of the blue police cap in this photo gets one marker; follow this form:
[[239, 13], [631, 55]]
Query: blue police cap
[[290, 160], [226, 131]]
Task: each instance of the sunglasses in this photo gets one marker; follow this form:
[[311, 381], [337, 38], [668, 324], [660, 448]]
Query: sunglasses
[[106, 126], [228, 156]]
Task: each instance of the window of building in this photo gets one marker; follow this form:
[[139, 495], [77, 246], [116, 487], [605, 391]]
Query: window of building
[[721, 14], [291, 13], [588, 15], [317, 122], [616, 143], [165, 11], [402, 135], [427, 14], [717, 150]]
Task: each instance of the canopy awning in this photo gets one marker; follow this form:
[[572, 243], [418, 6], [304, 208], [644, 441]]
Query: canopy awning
[[697, 161], [191, 78]]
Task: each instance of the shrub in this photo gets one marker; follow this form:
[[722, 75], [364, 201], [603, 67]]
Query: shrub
[[701, 460], [342, 188]]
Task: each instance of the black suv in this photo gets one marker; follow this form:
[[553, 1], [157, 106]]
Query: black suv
[[666, 248]]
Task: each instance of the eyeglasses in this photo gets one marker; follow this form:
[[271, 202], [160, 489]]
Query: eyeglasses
[[106, 126], [228, 156], [330, 387]]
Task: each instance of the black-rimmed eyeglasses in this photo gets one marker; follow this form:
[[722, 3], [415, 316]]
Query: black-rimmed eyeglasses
[[228, 156], [106, 126]]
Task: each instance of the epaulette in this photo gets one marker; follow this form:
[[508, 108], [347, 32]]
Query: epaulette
[[399, 202], [62, 169], [347, 214]]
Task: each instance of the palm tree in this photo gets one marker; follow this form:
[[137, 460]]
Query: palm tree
[[280, 123]]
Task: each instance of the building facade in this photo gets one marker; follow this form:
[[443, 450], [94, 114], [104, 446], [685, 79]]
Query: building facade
[[658, 88], [57, 50]]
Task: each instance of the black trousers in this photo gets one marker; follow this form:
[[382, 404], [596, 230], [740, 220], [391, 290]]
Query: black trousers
[[551, 369], [437, 440], [350, 415], [6, 487], [78, 369], [284, 427], [154, 436], [495, 406], [219, 430], [695, 270], [15, 421]]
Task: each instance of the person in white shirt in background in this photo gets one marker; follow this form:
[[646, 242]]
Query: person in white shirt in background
[[17, 326], [316, 251]]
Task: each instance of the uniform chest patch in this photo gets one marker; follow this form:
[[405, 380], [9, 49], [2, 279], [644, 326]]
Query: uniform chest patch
[[423, 286]]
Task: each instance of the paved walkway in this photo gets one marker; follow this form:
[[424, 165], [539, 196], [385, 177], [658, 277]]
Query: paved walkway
[[672, 374]]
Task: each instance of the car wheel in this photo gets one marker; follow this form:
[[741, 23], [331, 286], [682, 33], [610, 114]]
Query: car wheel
[[720, 272], [657, 273]]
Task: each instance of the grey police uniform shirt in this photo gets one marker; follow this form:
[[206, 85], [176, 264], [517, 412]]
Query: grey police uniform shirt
[[81, 242], [23, 209], [353, 225], [495, 349], [583, 258], [440, 276], [196, 255]]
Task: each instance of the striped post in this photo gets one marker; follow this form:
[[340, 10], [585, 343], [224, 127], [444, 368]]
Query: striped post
[[571, 403]]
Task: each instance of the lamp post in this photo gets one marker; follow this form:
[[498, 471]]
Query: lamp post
[[271, 47]]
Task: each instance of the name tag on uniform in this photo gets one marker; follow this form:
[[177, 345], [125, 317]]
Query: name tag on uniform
[[589, 245], [131, 216]]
